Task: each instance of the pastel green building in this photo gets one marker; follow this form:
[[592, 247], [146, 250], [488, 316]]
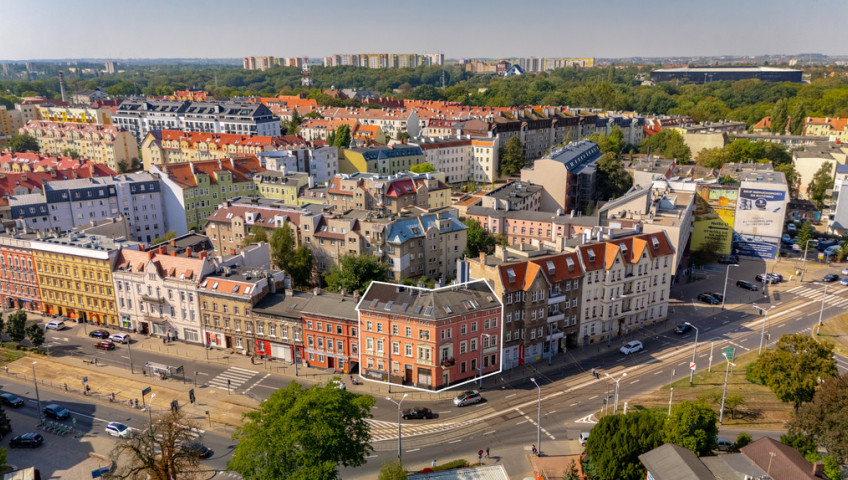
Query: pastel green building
[[383, 160]]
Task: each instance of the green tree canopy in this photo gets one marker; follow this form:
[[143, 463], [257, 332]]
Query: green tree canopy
[[422, 168], [613, 179], [692, 425], [667, 143], [341, 137], [300, 267], [392, 471], [618, 440], [356, 272], [821, 182], [23, 143], [511, 158], [779, 116], [796, 121], [165, 237], [793, 369], [793, 179], [477, 239], [805, 233], [16, 326], [257, 234], [825, 418], [282, 245], [303, 434], [35, 334]]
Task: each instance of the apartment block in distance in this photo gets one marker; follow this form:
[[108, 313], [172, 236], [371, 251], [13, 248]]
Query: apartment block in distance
[[429, 339]]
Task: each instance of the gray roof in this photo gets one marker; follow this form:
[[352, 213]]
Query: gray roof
[[332, 305], [282, 305], [405, 229], [670, 462], [634, 192], [732, 466], [532, 216], [427, 304], [576, 155]]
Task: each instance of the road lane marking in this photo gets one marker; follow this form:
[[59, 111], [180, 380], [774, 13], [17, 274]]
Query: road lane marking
[[413, 450], [512, 395]]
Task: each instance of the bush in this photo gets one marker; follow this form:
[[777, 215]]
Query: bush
[[10, 345], [451, 465], [742, 440]]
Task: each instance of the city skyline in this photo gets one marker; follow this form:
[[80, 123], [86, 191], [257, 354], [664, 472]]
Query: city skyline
[[471, 29]]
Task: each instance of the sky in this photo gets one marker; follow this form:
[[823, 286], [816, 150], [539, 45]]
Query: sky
[[57, 29]]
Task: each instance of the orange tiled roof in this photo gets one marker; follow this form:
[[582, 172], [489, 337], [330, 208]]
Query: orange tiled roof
[[242, 169]]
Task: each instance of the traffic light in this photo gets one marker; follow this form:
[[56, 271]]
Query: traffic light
[[191, 395]]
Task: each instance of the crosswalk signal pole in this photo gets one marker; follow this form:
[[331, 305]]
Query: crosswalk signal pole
[[228, 386]]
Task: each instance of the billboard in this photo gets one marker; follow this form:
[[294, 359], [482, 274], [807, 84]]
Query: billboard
[[761, 212], [715, 211], [756, 246]]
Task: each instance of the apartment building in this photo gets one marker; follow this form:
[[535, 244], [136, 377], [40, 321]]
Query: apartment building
[[227, 299], [18, 278], [193, 190], [568, 176], [10, 122], [383, 160], [233, 221], [384, 60], [429, 339], [331, 329], [283, 186], [451, 156], [74, 114], [526, 227], [107, 144], [177, 146], [809, 160], [391, 121], [513, 196], [321, 163], [541, 293], [280, 317], [141, 116], [425, 245], [75, 275], [388, 193], [626, 285], [259, 63]]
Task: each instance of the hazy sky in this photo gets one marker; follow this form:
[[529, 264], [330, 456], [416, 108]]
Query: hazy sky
[[40, 29]]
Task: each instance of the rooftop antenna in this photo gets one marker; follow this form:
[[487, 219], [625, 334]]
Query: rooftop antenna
[[443, 79], [62, 84], [305, 75]]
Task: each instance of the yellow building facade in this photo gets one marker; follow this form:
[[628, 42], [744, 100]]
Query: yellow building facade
[[107, 144], [97, 116]]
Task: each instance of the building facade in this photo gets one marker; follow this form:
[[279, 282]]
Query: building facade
[[331, 329], [107, 144], [18, 277]]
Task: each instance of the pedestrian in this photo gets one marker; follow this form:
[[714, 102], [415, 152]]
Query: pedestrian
[[434, 463], [164, 340], [487, 452], [7, 369], [480, 456], [534, 449]]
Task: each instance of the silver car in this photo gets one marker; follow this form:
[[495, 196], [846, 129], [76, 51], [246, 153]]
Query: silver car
[[468, 397]]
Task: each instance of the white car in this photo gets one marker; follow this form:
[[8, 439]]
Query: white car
[[55, 325], [791, 227], [831, 250], [120, 338], [631, 347], [796, 247], [845, 271], [117, 429]]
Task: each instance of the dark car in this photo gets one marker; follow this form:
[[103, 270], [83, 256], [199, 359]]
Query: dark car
[[746, 285], [768, 278], [11, 400], [682, 328], [718, 296], [104, 345], [728, 259], [198, 449], [99, 334], [27, 440], [56, 411], [830, 277], [417, 412], [707, 298]]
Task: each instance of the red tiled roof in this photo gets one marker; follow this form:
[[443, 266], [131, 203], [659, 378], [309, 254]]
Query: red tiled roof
[[171, 266], [221, 139], [242, 169], [400, 187], [560, 271]]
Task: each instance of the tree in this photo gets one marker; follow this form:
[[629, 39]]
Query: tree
[[796, 120], [805, 233], [35, 334], [477, 239], [793, 370], [571, 472], [292, 127], [70, 152], [303, 434], [732, 402], [511, 158], [133, 166], [356, 272], [23, 143], [282, 245], [821, 182], [669, 144], [164, 237], [392, 471], [156, 452], [618, 440], [422, 168], [742, 440], [692, 425], [708, 253], [16, 326], [613, 179], [341, 137], [401, 136], [779, 116], [300, 267], [793, 179], [257, 234], [825, 418]]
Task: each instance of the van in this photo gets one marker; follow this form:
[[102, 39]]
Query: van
[[724, 445], [583, 438]]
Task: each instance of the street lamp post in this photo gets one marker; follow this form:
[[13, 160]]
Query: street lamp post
[[821, 312], [694, 351], [670, 396], [398, 405], [129, 352], [538, 418], [804, 263], [724, 294], [37, 398], [150, 410], [765, 321], [615, 407], [724, 394]]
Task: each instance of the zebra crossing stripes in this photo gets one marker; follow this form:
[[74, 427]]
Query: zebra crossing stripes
[[236, 377], [382, 430], [833, 297]]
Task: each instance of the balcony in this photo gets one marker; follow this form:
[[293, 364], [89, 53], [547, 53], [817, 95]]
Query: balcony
[[447, 362], [556, 318], [555, 297]]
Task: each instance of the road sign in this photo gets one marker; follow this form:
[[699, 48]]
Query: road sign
[[180, 369], [728, 353], [99, 472], [691, 365], [146, 391]]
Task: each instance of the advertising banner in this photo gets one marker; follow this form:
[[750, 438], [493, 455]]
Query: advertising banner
[[715, 209], [760, 212], [756, 246]]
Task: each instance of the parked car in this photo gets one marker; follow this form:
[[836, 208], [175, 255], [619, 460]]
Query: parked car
[[118, 429], [631, 347], [11, 400], [768, 278], [814, 243], [791, 228], [99, 334], [717, 296], [104, 345], [746, 285], [584, 437], [728, 259], [198, 449], [786, 238], [682, 328], [723, 445], [831, 250], [27, 440], [776, 276], [707, 298], [830, 277], [56, 411], [796, 247], [825, 244], [844, 282], [120, 337], [845, 271], [417, 412], [55, 325], [468, 397]]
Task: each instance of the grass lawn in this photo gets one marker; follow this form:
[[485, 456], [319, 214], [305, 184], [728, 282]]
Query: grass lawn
[[8, 355], [762, 409], [835, 331]]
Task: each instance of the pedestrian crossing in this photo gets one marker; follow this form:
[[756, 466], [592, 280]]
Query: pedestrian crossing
[[835, 294], [382, 430], [235, 376]]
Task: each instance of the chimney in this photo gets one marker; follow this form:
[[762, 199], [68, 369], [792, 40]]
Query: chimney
[[482, 259], [173, 243], [174, 253], [202, 255], [818, 470], [356, 295], [188, 251], [232, 251], [163, 250]]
